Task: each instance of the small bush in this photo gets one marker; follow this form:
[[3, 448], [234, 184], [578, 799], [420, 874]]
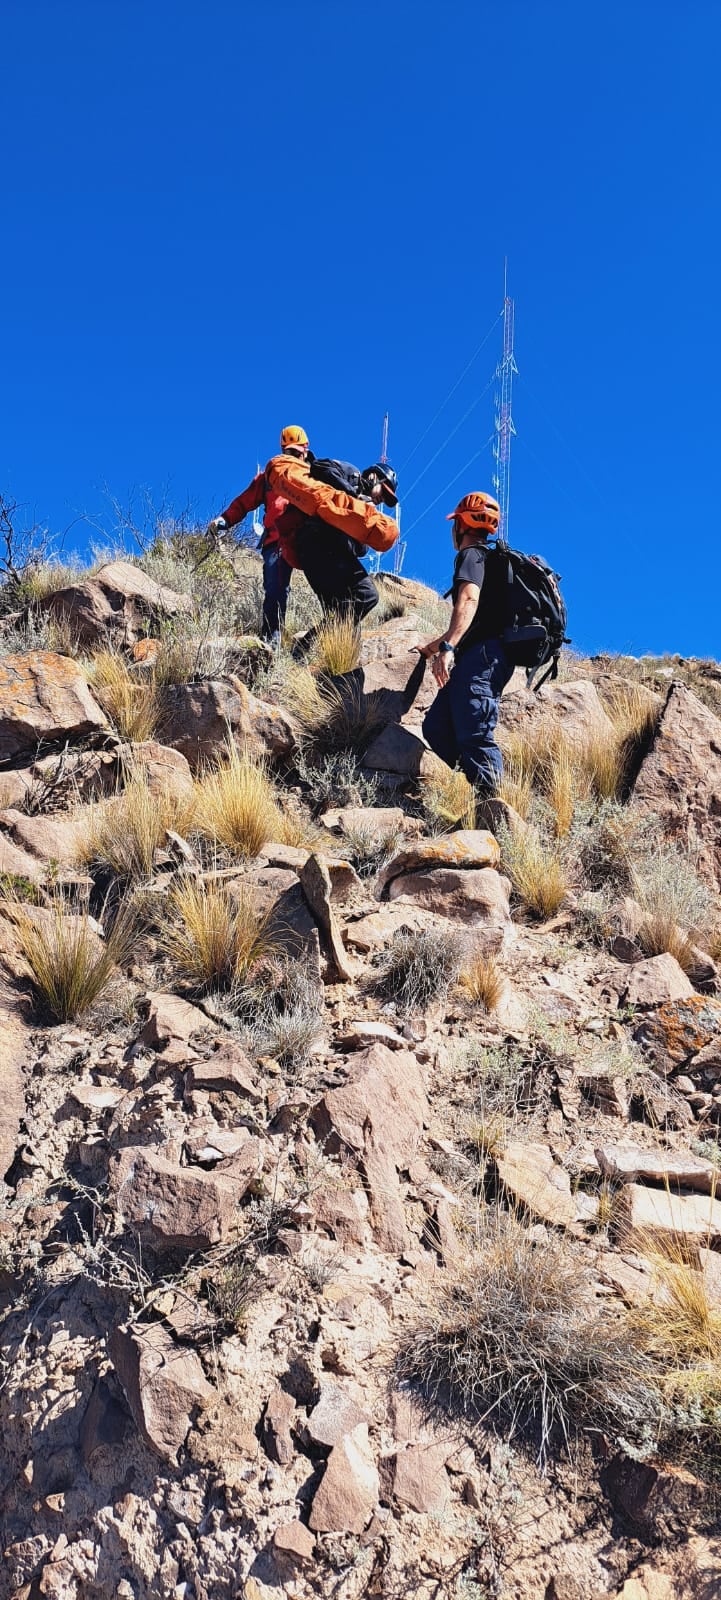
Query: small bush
[[70, 966], [335, 779], [674, 901], [536, 870], [369, 848], [512, 1341], [392, 602], [129, 698], [125, 832], [419, 967], [609, 837], [40, 582], [214, 939], [337, 647], [482, 982], [236, 805], [448, 799], [288, 1016]]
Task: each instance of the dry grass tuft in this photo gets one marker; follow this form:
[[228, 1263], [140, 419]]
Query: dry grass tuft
[[130, 700], [70, 965], [536, 870], [125, 831], [448, 799], [337, 647], [419, 967], [512, 1339], [236, 805], [214, 938], [482, 982], [333, 717], [369, 848], [674, 900]]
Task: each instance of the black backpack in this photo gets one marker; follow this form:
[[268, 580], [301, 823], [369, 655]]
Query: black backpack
[[534, 612], [339, 474]]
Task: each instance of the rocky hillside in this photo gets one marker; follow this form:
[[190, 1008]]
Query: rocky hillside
[[360, 1231]]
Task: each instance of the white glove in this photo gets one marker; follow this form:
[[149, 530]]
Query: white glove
[[216, 527]]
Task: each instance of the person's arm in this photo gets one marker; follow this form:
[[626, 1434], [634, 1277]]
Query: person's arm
[[249, 500], [464, 610], [358, 518]]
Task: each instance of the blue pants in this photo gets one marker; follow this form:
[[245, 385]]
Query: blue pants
[[276, 584], [460, 724]]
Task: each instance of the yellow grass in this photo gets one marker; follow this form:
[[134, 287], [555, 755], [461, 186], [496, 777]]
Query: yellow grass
[[214, 938], [236, 804], [482, 982], [332, 718], [70, 965], [125, 831], [448, 799], [536, 871], [129, 699], [681, 1322], [338, 645]]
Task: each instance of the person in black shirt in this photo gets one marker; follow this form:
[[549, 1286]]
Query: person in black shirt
[[470, 663]]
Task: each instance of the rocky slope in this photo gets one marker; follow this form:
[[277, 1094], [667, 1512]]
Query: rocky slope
[[232, 1220]]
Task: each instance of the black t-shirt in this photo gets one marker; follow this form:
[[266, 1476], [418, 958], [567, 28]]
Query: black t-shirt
[[478, 564]]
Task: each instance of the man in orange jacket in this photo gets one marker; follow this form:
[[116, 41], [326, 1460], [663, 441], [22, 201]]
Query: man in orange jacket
[[280, 519]]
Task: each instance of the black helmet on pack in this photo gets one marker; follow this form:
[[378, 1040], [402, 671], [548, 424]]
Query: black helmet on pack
[[383, 474]]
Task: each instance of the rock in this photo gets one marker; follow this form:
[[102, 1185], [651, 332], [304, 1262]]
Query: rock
[[280, 1414], [317, 888], [117, 600], [295, 1540], [163, 1384], [475, 895], [343, 877], [104, 1424], [44, 696], [468, 848], [227, 1072], [397, 682], [606, 1090], [93, 1098], [654, 1101], [165, 770], [378, 821], [174, 1208], [335, 1415], [201, 717], [420, 1480], [673, 1168], [649, 1584], [646, 1217], [655, 981], [17, 863], [532, 1176], [398, 750], [52, 838], [680, 1029], [660, 1500], [170, 1021], [292, 927], [575, 706], [14, 1051], [349, 1489], [680, 778], [360, 1034], [341, 1212], [379, 1114], [376, 930]]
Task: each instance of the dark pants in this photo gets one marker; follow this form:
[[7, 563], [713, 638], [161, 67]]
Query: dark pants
[[335, 575], [276, 584], [460, 724]]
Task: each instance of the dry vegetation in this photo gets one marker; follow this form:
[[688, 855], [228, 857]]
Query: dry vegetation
[[337, 645], [536, 870], [419, 968], [481, 981], [215, 937], [125, 831], [236, 805], [130, 698], [448, 800], [70, 964]]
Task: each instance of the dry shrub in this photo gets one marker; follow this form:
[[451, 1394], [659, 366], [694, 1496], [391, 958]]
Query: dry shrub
[[680, 1326], [287, 1016], [634, 712], [674, 900], [419, 967], [448, 799], [369, 848], [70, 965], [125, 831], [337, 647], [536, 870], [482, 981], [333, 717], [512, 1339], [236, 804], [130, 700], [214, 938]]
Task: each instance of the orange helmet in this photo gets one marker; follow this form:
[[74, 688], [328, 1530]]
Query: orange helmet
[[293, 436], [477, 510]]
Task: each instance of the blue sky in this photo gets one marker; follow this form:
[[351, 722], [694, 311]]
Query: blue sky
[[220, 218]]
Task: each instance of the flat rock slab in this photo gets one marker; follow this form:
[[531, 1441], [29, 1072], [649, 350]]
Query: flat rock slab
[[174, 1208], [228, 1071], [378, 821], [652, 1216], [575, 706], [677, 1168], [170, 1021], [335, 1415], [470, 847], [164, 1385], [680, 778], [349, 1490], [532, 1176], [656, 981], [463, 894], [44, 696], [53, 838], [399, 751], [420, 1480], [376, 930]]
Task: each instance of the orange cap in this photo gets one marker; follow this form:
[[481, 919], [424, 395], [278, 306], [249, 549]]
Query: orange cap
[[477, 510]]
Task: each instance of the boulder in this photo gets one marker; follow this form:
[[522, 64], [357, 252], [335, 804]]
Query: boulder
[[17, 863], [477, 895], [658, 1499], [376, 929], [172, 1207], [171, 1021], [576, 708], [468, 848], [646, 1217], [399, 751], [164, 1385], [530, 1174], [378, 821], [677, 1169], [44, 696], [680, 778], [54, 838], [118, 600], [378, 1114], [655, 981], [680, 1029], [318, 889], [201, 717], [348, 1492], [165, 770], [292, 927], [341, 1212]]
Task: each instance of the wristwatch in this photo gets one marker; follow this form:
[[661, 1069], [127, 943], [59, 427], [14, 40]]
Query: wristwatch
[[445, 649]]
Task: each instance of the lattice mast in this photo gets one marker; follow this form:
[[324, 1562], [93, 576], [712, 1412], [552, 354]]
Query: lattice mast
[[504, 411]]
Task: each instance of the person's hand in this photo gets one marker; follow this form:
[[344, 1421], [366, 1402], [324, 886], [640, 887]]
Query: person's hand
[[430, 649], [441, 664], [216, 527]]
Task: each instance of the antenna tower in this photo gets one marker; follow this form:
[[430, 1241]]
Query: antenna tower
[[504, 411], [384, 440]]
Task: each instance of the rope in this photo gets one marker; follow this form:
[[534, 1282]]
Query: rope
[[451, 392], [450, 484], [447, 440]]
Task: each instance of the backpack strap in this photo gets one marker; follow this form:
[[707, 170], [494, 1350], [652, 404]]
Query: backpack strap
[[551, 672]]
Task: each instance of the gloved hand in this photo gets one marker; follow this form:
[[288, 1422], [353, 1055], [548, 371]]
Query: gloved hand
[[216, 527]]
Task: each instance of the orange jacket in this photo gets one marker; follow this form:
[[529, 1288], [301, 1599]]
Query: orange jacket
[[279, 517], [359, 519]]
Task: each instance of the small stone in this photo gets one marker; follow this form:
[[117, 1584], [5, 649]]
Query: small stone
[[280, 1415], [335, 1415], [295, 1540], [350, 1486]]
